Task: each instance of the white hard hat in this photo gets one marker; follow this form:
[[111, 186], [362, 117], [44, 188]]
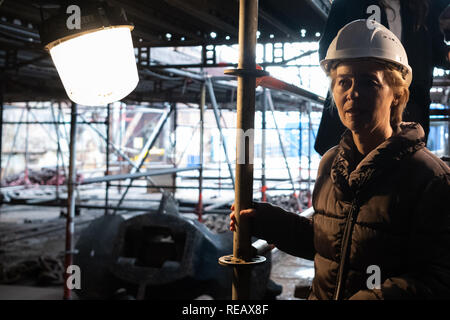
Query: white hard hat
[[367, 39]]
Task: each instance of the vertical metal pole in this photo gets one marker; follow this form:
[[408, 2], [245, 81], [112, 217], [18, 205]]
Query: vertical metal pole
[[220, 169], [200, 171], [27, 137], [217, 117], [120, 142], [263, 138], [143, 155], [64, 132], [248, 24], [1, 130], [300, 152], [108, 139], [272, 108], [309, 154], [263, 147], [152, 140], [13, 145], [70, 199], [58, 150], [174, 148]]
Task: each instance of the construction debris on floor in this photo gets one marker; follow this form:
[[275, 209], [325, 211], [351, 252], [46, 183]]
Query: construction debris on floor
[[44, 176], [187, 253]]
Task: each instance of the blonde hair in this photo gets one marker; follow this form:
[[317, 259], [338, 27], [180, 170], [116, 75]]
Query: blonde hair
[[395, 78]]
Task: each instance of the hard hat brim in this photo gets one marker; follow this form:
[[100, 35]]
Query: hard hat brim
[[326, 64]]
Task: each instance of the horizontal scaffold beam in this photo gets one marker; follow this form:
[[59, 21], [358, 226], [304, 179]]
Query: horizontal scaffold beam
[[136, 175]]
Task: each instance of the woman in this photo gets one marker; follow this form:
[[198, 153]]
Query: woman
[[381, 199], [416, 24]]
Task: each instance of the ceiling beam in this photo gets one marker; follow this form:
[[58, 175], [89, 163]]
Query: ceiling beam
[[277, 24], [149, 19], [20, 30], [29, 62], [27, 9], [203, 16]]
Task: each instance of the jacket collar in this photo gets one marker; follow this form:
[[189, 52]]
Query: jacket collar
[[353, 175]]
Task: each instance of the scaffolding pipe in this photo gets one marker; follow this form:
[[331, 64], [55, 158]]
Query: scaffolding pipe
[[66, 136], [206, 188], [134, 176], [219, 126], [27, 135], [309, 154], [50, 122], [299, 149], [117, 150], [248, 13], [174, 146], [151, 141], [1, 130], [143, 155], [58, 152], [70, 200], [188, 144], [64, 131], [263, 149], [121, 123], [108, 139], [226, 178], [270, 102], [200, 171], [242, 249], [16, 133]]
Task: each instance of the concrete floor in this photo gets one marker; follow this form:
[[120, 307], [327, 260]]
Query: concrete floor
[[287, 271], [13, 292]]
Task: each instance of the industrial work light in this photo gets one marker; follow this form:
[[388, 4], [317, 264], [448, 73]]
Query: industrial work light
[[95, 58]]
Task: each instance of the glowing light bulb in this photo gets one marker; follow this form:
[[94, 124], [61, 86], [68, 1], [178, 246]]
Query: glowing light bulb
[[97, 68]]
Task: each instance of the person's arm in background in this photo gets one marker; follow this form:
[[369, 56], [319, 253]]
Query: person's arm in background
[[428, 274], [441, 52], [336, 20]]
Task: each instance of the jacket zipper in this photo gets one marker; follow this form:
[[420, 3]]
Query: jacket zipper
[[344, 248]]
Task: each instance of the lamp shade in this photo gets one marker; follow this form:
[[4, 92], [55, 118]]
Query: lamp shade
[[98, 67]]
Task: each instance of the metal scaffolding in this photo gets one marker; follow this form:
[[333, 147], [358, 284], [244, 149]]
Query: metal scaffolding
[[120, 152], [238, 172]]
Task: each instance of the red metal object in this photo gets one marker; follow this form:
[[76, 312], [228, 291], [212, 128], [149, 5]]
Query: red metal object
[[199, 208], [263, 191], [270, 82]]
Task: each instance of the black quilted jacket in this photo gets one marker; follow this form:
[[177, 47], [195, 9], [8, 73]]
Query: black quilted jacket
[[390, 210]]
